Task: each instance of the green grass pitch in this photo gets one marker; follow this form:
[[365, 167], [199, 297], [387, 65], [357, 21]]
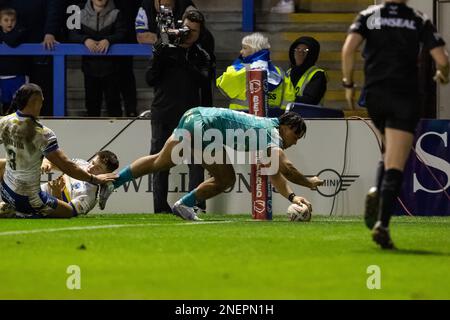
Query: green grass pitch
[[225, 257]]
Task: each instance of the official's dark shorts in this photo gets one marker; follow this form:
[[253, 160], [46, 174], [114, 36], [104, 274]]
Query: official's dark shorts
[[393, 110]]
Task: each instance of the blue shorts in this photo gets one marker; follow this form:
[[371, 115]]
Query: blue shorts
[[8, 88], [39, 205]]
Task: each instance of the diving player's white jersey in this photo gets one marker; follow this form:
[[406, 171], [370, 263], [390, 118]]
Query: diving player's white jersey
[[82, 195], [26, 142]]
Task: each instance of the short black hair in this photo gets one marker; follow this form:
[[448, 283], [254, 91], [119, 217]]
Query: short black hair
[[195, 16], [23, 95], [109, 159], [294, 121]]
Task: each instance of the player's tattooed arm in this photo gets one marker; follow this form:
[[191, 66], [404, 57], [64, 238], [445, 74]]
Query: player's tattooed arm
[[291, 173], [70, 168], [281, 185]]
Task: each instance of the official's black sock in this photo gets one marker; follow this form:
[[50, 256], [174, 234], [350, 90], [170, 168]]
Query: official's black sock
[[380, 174], [390, 189]]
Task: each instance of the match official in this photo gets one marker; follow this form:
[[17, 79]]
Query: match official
[[394, 33]]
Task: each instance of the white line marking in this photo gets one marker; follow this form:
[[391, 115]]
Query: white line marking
[[108, 226]]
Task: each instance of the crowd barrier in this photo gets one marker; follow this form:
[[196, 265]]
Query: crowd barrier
[[60, 53]]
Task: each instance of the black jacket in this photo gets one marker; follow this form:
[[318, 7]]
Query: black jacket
[[39, 17], [129, 10], [13, 65], [206, 40], [107, 24], [177, 75]]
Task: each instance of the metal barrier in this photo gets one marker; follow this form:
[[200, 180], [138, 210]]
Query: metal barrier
[[59, 62]]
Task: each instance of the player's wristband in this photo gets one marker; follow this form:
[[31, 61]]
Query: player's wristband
[[291, 197]]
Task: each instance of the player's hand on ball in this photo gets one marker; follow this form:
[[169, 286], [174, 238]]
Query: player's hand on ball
[[299, 212], [315, 182], [300, 200]]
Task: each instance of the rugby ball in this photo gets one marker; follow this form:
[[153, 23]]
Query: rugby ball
[[297, 212]]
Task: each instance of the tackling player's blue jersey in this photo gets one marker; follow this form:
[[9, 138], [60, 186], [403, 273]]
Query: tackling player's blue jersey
[[227, 122]]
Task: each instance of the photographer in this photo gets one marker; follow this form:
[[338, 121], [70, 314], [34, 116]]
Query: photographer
[[146, 26], [148, 32], [177, 72]]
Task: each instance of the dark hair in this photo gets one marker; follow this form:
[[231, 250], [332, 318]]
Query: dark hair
[[294, 121], [23, 95], [195, 16], [109, 159], [8, 12]]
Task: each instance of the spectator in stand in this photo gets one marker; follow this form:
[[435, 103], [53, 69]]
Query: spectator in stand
[[102, 25], [309, 81], [284, 6], [43, 20], [255, 54], [127, 80], [12, 68]]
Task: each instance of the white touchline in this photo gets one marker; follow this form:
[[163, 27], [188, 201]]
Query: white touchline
[[109, 226]]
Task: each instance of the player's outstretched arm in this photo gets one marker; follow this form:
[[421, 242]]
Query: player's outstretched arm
[[70, 168], [291, 173], [282, 186]]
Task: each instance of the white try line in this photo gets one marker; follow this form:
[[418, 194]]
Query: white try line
[[109, 226]]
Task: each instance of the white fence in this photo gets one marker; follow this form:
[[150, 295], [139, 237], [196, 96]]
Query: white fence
[[322, 151]]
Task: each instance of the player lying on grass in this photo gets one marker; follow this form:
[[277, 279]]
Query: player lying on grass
[[26, 143], [202, 123], [81, 195]]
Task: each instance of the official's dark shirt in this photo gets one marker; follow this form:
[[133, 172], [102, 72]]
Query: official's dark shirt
[[395, 34]]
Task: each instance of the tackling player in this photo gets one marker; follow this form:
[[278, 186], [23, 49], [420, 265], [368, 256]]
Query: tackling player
[[81, 195], [26, 143], [281, 133]]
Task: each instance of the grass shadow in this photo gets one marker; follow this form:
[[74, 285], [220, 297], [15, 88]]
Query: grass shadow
[[419, 252], [415, 252]]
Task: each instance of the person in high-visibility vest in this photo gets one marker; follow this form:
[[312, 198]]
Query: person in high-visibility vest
[[308, 80], [255, 54]]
